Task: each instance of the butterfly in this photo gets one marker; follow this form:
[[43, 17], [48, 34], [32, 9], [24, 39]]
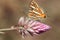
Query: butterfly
[[29, 26], [26, 25], [35, 11]]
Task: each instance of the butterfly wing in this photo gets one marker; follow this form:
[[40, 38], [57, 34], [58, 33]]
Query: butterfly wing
[[35, 11]]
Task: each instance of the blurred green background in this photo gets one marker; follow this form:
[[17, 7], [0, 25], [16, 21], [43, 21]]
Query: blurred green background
[[11, 10]]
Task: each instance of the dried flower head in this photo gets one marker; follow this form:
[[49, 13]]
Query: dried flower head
[[32, 27]]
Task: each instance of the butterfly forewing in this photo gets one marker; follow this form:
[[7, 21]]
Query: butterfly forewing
[[35, 11]]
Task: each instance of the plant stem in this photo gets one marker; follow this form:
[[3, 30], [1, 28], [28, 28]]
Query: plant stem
[[8, 29]]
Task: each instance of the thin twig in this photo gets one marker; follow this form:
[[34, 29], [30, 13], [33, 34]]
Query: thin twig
[[2, 32], [8, 29]]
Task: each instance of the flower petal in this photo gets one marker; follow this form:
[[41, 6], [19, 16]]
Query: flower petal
[[21, 21]]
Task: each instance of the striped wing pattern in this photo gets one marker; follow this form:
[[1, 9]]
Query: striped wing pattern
[[35, 11]]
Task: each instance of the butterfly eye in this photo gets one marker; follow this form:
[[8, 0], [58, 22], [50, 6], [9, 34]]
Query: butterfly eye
[[44, 16]]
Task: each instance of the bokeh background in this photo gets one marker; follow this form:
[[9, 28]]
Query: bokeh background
[[12, 10]]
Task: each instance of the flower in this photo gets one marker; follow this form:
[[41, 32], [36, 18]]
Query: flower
[[30, 26]]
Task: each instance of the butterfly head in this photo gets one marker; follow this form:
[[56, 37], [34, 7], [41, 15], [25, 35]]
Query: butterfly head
[[42, 15]]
